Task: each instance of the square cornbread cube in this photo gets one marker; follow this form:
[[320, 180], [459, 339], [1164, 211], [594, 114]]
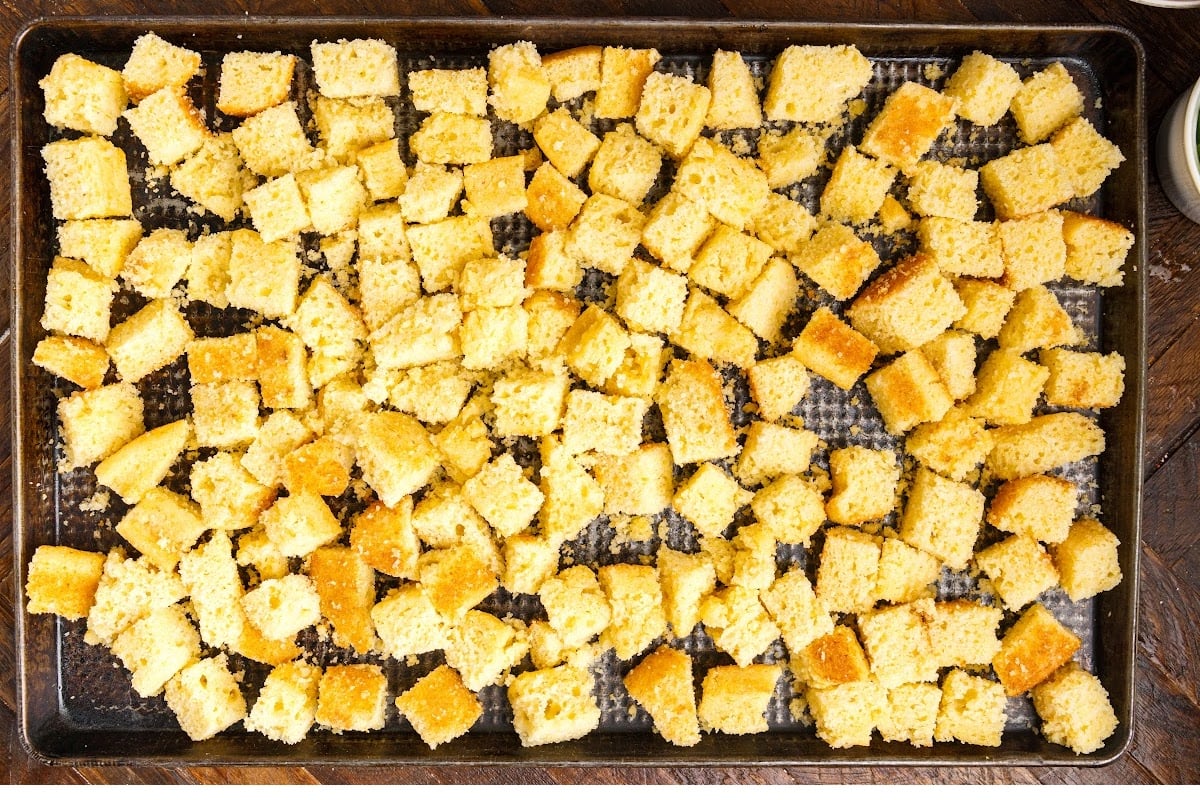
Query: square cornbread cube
[[910, 714], [897, 642], [458, 91], [551, 200], [251, 82], [529, 402], [675, 228], [635, 600], [1075, 709], [942, 190], [529, 560], [791, 93], [1019, 569], [385, 539], [277, 208], [263, 276], [156, 647], [327, 322], [953, 446], [439, 707], [82, 95], [984, 87], [792, 507], [215, 176], [893, 216], [625, 165], [1026, 181], [953, 354], [1041, 507], [784, 224], [491, 336], [1007, 388], [962, 246], [352, 697], [905, 573], [519, 86], [434, 393], [576, 605], [322, 466], [157, 262], [225, 413], [98, 422], [287, 704], [446, 138], [408, 623], [102, 244], [444, 517], [907, 306], [650, 299], [168, 125], [573, 72], [734, 699], [734, 94], [942, 517], [62, 580], [550, 705], [907, 392], [731, 188], [503, 496], [495, 187], [837, 260], [334, 197], [154, 63], [420, 332], [386, 287], [790, 157], [573, 497], [641, 368], [605, 233], [456, 579], [300, 523], [548, 265], [162, 526], [685, 578], [729, 261], [1083, 379], [846, 714], [431, 193], [972, 710], [623, 71], [987, 304], [1087, 560], [662, 684], [771, 450], [229, 496], [383, 171], [697, 422], [273, 141], [441, 248], [833, 658], [1046, 101], [492, 282], [792, 603], [1034, 250], [88, 178], [911, 120], [208, 273], [601, 422], [738, 624], [671, 111], [209, 573], [78, 360], [565, 141], [355, 67], [709, 499], [962, 632], [594, 345], [639, 483], [395, 454], [78, 300], [855, 191], [149, 340], [777, 385], [1096, 249], [834, 350], [282, 607], [143, 463], [282, 368], [707, 330], [1034, 647], [846, 572], [1086, 155], [864, 484]]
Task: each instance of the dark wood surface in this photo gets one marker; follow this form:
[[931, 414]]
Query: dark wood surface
[[1166, 744]]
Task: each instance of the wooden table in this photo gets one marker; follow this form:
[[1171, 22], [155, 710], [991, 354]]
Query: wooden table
[[1166, 745]]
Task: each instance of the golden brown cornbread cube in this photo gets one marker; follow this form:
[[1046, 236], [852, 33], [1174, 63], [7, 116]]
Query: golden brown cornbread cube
[[605, 233], [972, 710], [905, 573], [273, 141], [491, 282], [355, 68], [771, 450], [257, 647], [942, 517], [287, 703], [223, 358], [623, 72], [334, 197], [734, 699], [734, 94], [445, 518], [446, 138], [495, 187], [1038, 506], [730, 188], [987, 304], [225, 413], [675, 228], [251, 82], [168, 125], [143, 462], [768, 301], [129, 589], [1096, 249], [625, 165], [1044, 443], [152, 338], [458, 91], [157, 262], [281, 432], [229, 496], [1026, 181], [431, 193], [62, 580], [662, 684], [709, 499], [162, 526], [846, 573], [552, 202], [1032, 649], [639, 483], [962, 633], [954, 446], [439, 707], [97, 422], [864, 484], [792, 507], [984, 87], [790, 157], [834, 350], [154, 63], [300, 523], [635, 601], [352, 697], [952, 354], [791, 93], [1008, 386], [1083, 379], [483, 648], [156, 647], [908, 125], [908, 392], [907, 306], [708, 331], [910, 714], [282, 607], [784, 224], [1087, 561], [796, 609], [573, 72], [962, 246], [78, 360], [685, 579], [692, 401], [1075, 709], [720, 551], [395, 454], [503, 496], [529, 402], [846, 714], [1019, 569], [206, 698], [671, 111], [519, 87], [208, 273], [837, 260], [573, 497], [738, 624], [594, 345], [345, 583], [1036, 321], [650, 299], [102, 244], [553, 705], [833, 658], [1086, 155], [897, 642], [419, 333], [942, 190], [529, 560], [1046, 101], [729, 261], [282, 369], [383, 172], [456, 579], [777, 385], [408, 623], [88, 178], [82, 95], [855, 190], [548, 266]]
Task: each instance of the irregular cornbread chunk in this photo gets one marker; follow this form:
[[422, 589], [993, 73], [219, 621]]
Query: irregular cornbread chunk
[[1075, 709], [1046, 101], [352, 697], [229, 496], [650, 299], [395, 454], [796, 609], [734, 699], [154, 63], [709, 499], [419, 333], [431, 193], [143, 462], [846, 713], [1083, 379], [605, 233], [1026, 181], [300, 523], [529, 402], [729, 261], [209, 572], [675, 228], [905, 573], [734, 95], [1096, 249], [149, 340], [553, 705], [897, 642], [407, 622], [962, 633], [168, 125], [855, 190], [98, 422], [1087, 560], [1086, 155], [439, 707], [942, 190], [156, 647], [594, 346], [635, 600], [566, 142], [791, 94], [573, 496], [1038, 506], [737, 622], [208, 272], [502, 494], [552, 202], [1037, 321], [834, 658], [987, 304], [972, 710], [1043, 444], [129, 590], [864, 485], [730, 188], [908, 125], [251, 82], [789, 157], [282, 607], [82, 95], [777, 385], [639, 483], [345, 584], [483, 648], [273, 141], [625, 166], [692, 401], [984, 87], [62, 580], [1007, 388], [383, 172], [1034, 647], [846, 572], [78, 360], [952, 354], [908, 392], [662, 684], [287, 703], [769, 300], [102, 244], [910, 714], [784, 224], [623, 72], [771, 450], [708, 331], [225, 413], [519, 88], [962, 246], [88, 178], [78, 300], [942, 517], [907, 306], [685, 579], [574, 71], [605, 423], [206, 698], [215, 176], [791, 507], [671, 111], [837, 260], [1019, 569], [456, 578], [576, 605], [157, 262]]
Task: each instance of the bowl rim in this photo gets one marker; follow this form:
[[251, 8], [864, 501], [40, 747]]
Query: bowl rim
[[1191, 134]]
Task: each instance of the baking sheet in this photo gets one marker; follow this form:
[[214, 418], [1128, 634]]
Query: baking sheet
[[75, 700]]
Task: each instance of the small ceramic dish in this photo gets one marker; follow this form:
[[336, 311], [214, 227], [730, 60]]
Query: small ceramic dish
[[1178, 156]]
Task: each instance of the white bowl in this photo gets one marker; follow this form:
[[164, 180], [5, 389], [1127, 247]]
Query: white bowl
[[1170, 3], [1178, 160]]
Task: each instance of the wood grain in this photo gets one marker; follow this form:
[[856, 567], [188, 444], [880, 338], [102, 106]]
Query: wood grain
[[1166, 747]]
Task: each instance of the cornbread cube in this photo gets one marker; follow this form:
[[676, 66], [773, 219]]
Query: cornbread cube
[[446, 138], [345, 584], [282, 607], [962, 633], [1046, 101], [729, 261], [419, 333], [464, 445], [1041, 507], [942, 517], [225, 413], [708, 331], [491, 336], [431, 193], [641, 368], [791, 507], [277, 208], [905, 573], [1019, 569], [395, 454], [734, 95], [495, 187], [78, 360], [846, 573], [625, 165], [675, 228], [280, 433], [908, 392], [942, 190], [709, 499], [156, 647], [62, 580], [789, 157], [519, 86], [129, 590], [383, 172], [910, 714], [154, 63], [252, 82], [273, 141], [576, 605], [573, 497], [635, 600], [229, 496], [952, 355], [456, 579], [504, 496], [300, 523], [208, 273], [1007, 388], [1034, 647], [88, 178], [833, 349], [984, 87], [692, 401], [149, 340], [553, 705], [603, 423], [987, 304], [1034, 250], [1026, 181], [458, 91], [771, 450], [639, 483], [796, 609], [783, 224], [855, 191], [777, 385], [911, 120], [730, 188], [287, 703], [720, 552], [355, 67], [210, 575], [78, 300], [685, 579], [650, 299], [408, 623], [352, 697], [573, 72], [282, 369], [552, 202], [439, 707], [168, 125], [662, 684], [1087, 561], [738, 624], [837, 260], [529, 560], [972, 710], [753, 557], [672, 111], [102, 244], [143, 462], [907, 306], [263, 276], [623, 72], [864, 484], [897, 642], [567, 143], [549, 266], [1096, 249], [529, 402], [1086, 155], [82, 95], [846, 714], [334, 197], [791, 94], [157, 262], [1075, 709], [444, 518], [326, 321], [594, 345], [215, 176], [831, 659], [962, 246], [98, 422], [605, 233], [1083, 380], [1044, 443], [734, 699]]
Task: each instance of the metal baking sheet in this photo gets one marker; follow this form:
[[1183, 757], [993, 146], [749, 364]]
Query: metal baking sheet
[[75, 701]]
